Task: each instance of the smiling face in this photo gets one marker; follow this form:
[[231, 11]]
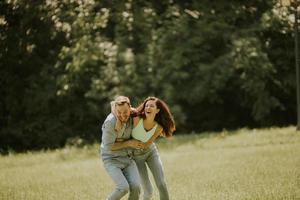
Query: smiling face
[[151, 108], [123, 112]]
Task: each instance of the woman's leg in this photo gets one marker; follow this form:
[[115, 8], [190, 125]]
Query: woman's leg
[[156, 167], [146, 184]]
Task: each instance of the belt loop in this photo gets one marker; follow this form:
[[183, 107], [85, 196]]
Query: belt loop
[[130, 153]]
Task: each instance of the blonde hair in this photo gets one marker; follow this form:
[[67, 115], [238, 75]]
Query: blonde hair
[[121, 100]]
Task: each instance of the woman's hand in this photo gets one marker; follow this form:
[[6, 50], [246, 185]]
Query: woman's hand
[[113, 108], [133, 111]]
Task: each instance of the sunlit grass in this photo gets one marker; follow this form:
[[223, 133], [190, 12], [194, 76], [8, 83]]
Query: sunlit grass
[[245, 164]]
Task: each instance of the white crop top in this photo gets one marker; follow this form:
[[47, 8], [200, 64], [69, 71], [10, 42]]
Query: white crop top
[[139, 132]]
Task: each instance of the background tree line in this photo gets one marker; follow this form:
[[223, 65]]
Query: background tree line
[[218, 64]]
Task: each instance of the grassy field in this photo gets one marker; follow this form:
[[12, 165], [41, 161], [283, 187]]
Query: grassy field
[[245, 164]]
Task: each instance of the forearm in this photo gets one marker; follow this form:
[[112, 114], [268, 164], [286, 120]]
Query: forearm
[[147, 144], [120, 145]]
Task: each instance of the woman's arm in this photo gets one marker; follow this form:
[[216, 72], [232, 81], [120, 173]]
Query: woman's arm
[[110, 140], [135, 121]]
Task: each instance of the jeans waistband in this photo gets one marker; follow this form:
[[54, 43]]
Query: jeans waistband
[[143, 151]]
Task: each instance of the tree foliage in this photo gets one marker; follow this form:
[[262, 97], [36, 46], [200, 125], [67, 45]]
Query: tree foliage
[[222, 64]]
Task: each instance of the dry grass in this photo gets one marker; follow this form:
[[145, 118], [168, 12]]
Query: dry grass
[[247, 164]]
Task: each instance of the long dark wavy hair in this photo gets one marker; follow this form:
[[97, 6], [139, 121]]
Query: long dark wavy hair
[[164, 117]]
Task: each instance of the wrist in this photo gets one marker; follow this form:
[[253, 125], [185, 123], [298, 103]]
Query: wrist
[[128, 143]]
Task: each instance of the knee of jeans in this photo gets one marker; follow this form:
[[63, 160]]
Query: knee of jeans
[[135, 188], [148, 193], [147, 196], [161, 184]]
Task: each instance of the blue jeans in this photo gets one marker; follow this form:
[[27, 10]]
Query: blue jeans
[[125, 177], [151, 158]]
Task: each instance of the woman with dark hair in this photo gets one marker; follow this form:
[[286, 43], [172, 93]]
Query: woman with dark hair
[[153, 119]]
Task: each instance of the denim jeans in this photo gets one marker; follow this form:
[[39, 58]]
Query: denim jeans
[[150, 157], [125, 177]]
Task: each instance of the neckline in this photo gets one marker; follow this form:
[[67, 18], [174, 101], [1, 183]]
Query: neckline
[[147, 131]]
